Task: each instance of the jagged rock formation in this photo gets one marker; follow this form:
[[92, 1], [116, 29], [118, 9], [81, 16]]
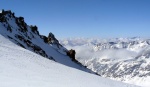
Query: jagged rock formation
[[52, 39], [71, 53], [27, 36], [24, 34]]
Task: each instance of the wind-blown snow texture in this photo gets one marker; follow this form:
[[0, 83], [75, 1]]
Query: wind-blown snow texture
[[22, 68], [122, 59], [28, 37]]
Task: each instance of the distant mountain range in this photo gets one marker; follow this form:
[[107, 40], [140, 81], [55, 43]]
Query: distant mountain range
[[122, 59]]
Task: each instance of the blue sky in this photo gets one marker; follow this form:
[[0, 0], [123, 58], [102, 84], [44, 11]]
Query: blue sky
[[85, 18]]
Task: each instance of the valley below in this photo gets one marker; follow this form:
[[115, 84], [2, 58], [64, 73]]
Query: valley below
[[121, 59]]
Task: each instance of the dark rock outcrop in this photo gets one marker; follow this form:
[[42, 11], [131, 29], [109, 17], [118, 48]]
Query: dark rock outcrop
[[45, 39], [21, 23], [34, 29], [52, 39], [71, 53]]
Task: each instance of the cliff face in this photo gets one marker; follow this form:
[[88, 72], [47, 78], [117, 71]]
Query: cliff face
[[27, 36]]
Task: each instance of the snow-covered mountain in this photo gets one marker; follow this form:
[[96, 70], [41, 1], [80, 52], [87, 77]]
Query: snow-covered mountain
[[122, 59], [43, 62], [27, 36], [22, 68]]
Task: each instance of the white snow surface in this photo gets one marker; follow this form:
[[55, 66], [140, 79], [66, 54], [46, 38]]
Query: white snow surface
[[122, 59], [22, 68]]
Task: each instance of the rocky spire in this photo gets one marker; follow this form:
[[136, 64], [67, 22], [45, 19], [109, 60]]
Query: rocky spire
[[52, 39]]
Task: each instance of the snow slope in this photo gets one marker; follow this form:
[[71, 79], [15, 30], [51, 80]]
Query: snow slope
[[122, 59], [22, 68]]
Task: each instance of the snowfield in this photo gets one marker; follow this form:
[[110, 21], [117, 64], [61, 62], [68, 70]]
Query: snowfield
[[22, 68]]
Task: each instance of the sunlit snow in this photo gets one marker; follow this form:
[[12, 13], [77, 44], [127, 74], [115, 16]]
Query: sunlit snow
[[22, 68]]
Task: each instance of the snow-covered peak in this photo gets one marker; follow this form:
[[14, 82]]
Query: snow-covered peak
[[27, 36]]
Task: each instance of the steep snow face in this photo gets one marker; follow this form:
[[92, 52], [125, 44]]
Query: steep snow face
[[123, 59], [22, 68], [28, 37]]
